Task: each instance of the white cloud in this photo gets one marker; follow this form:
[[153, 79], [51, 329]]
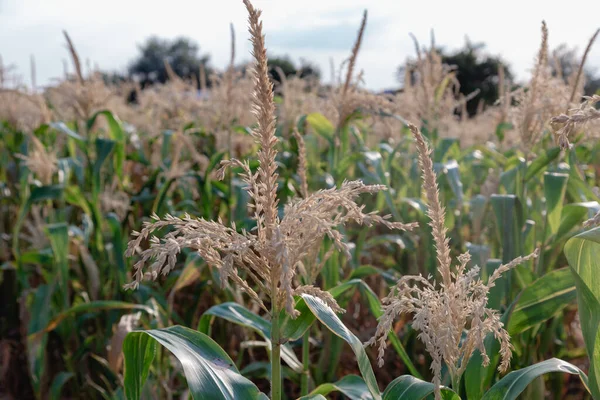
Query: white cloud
[[107, 32]]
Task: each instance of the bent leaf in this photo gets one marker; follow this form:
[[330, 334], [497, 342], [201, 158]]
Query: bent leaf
[[409, 387], [237, 314], [351, 386], [513, 384], [210, 373], [542, 299], [582, 253], [326, 315]]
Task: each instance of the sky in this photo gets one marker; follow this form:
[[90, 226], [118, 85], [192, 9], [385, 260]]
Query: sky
[[108, 32]]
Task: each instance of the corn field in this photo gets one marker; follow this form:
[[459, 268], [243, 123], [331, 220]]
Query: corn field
[[299, 240]]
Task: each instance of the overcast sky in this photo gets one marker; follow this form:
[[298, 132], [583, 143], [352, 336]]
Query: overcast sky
[[107, 32]]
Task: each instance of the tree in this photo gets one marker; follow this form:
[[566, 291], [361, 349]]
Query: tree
[[565, 61], [306, 69], [475, 71], [182, 54]]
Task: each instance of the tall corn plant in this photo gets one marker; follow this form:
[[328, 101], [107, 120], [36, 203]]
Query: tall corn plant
[[268, 258]]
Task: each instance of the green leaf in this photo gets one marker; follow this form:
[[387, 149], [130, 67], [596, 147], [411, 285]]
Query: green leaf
[[58, 235], [452, 173], [36, 344], [209, 371], [582, 254], [326, 315], [139, 351], [321, 125], [117, 134], [501, 128], [103, 148], [542, 299], [555, 187], [513, 384], [509, 220], [293, 329], [351, 386], [573, 215], [511, 179], [238, 314], [63, 128], [162, 195], [375, 308], [409, 387], [541, 162], [58, 383]]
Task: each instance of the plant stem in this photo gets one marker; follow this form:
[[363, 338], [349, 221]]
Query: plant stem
[[305, 363], [455, 382], [275, 352]]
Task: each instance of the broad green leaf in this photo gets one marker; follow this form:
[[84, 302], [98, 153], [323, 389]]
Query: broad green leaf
[[351, 386], [509, 221], [293, 329], [368, 270], [498, 292], [36, 345], [162, 195], [452, 174], [375, 308], [573, 215], [321, 125], [513, 384], [477, 211], [74, 196], [139, 351], [238, 314], [210, 373], [512, 178], [583, 252], [58, 383], [326, 315], [58, 234], [541, 162], [103, 148], [446, 148], [409, 387], [555, 187], [541, 300], [63, 128], [117, 134]]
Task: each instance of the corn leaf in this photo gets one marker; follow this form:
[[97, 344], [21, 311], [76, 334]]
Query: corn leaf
[[513, 384], [582, 253], [351, 386], [409, 387], [542, 299], [210, 373], [326, 315]]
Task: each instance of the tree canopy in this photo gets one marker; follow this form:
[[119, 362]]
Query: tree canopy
[[287, 66], [475, 71], [181, 53]]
